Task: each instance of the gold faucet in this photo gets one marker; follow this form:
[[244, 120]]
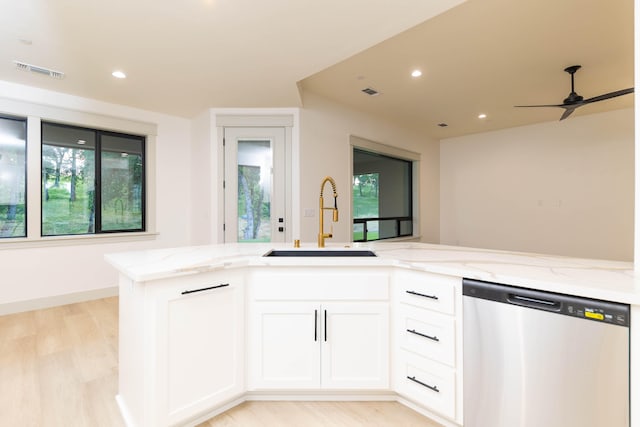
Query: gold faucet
[[321, 234]]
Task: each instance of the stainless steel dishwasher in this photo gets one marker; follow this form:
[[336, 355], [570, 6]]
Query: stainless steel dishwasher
[[539, 359]]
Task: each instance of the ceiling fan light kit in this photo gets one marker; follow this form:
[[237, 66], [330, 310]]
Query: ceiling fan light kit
[[573, 101]]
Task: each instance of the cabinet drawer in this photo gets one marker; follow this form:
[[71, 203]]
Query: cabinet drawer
[[319, 286], [427, 333], [426, 290], [198, 283], [428, 383]]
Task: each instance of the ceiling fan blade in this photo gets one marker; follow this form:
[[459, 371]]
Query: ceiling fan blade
[[608, 95], [550, 105], [568, 111], [574, 100]]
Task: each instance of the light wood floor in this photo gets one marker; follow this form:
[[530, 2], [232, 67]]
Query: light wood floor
[[59, 368], [320, 414]]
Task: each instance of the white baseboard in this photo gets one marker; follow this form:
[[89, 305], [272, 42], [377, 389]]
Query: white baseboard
[[53, 301], [423, 411], [219, 410], [318, 396]]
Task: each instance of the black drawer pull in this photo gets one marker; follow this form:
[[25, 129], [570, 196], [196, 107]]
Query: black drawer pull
[[191, 291], [430, 387], [325, 326], [435, 297], [315, 325], [432, 338]]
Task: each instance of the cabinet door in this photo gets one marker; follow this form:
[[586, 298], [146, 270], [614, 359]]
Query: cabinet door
[[355, 345], [204, 321], [284, 340]]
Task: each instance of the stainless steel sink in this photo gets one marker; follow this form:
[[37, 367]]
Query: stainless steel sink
[[319, 253]]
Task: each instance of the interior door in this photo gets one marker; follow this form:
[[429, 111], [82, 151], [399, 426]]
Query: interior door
[[255, 186]]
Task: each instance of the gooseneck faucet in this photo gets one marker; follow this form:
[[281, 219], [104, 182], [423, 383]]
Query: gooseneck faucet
[[321, 234]]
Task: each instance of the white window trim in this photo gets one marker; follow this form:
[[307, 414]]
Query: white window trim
[[36, 114]]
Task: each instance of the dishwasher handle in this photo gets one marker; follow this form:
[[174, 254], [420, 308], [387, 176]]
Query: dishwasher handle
[[534, 302]]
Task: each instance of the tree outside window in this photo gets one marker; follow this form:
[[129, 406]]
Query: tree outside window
[[75, 181]]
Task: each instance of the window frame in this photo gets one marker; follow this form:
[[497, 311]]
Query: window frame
[[35, 114], [394, 153], [26, 174], [98, 151]]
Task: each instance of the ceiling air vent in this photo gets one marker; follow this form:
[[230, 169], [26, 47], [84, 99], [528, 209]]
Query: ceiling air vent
[[370, 91], [22, 66]]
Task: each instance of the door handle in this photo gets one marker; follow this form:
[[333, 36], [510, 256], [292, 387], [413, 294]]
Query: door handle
[[432, 338], [315, 325], [430, 387], [434, 297], [192, 291], [325, 326]]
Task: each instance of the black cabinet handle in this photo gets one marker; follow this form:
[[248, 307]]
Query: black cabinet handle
[[434, 297], [325, 326], [191, 291], [430, 387], [315, 326], [432, 338]]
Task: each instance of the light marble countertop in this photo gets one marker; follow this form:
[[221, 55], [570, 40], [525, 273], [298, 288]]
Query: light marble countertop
[[600, 279]]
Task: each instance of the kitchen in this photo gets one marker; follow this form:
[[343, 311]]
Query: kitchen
[[323, 124]]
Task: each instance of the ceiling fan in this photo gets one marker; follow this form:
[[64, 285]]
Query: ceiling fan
[[574, 100]]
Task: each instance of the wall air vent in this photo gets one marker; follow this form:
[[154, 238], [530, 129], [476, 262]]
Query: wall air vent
[[370, 91], [23, 66]]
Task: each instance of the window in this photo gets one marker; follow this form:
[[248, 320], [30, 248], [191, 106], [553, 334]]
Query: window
[[92, 181], [13, 172], [382, 196]]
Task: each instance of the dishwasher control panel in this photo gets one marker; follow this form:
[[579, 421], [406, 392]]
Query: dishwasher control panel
[[598, 313], [585, 308]]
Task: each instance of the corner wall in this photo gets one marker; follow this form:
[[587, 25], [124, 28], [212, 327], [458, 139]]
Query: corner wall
[[325, 128], [564, 188], [32, 276]]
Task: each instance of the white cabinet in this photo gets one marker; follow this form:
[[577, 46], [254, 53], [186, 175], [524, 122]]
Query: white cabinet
[[428, 341], [185, 355], [318, 330], [284, 344], [355, 345]]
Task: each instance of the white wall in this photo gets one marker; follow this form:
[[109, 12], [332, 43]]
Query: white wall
[[36, 273], [203, 177], [325, 128], [562, 188]]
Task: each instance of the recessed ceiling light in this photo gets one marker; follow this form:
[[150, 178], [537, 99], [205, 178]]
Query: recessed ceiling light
[[119, 74], [482, 116], [416, 73]]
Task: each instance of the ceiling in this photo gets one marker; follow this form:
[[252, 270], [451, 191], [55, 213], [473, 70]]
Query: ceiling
[[485, 56], [184, 56]]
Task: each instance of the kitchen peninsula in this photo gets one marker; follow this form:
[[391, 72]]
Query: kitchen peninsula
[[205, 328]]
